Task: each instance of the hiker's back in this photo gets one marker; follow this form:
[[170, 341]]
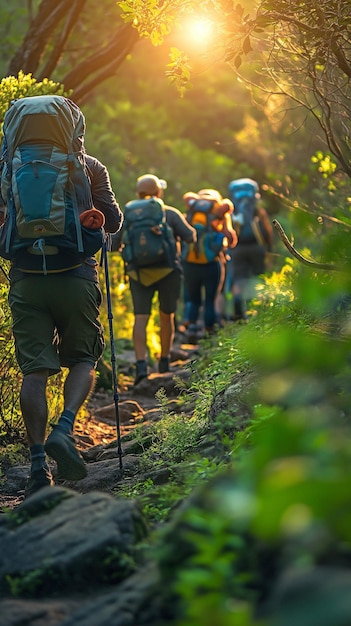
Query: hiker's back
[[205, 212], [45, 186], [246, 218], [147, 238]]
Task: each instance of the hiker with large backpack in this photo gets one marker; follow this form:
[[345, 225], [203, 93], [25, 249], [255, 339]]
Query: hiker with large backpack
[[59, 205], [255, 238], [203, 262], [151, 236]]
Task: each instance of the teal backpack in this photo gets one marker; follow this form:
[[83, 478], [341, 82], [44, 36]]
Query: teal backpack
[[244, 192], [147, 238], [45, 186]]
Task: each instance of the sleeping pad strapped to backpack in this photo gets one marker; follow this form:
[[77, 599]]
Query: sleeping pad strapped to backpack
[[45, 186]]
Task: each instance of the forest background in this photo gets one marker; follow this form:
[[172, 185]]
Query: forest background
[[198, 107], [200, 112], [199, 94]]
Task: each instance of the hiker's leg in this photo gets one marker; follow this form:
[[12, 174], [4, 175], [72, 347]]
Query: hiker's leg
[[140, 346], [193, 281], [34, 406], [60, 445], [239, 291], [142, 298], [169, 289], [258, 257], [241, 274], [35, 415], [166, 333], [139, 336], [78, 385], [34, 333], [211, 280]]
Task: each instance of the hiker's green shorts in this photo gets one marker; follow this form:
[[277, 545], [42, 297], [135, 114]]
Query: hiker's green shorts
[[56, 322]]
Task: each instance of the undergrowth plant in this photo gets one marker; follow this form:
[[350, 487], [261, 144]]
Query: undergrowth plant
[[278, 514], [174, 435]]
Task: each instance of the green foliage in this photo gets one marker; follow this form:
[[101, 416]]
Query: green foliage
[[150, 142], [179, 70], [10, 420], [12, 453], [282, 505], [151, 19], [26, 585], [325, 164], [174, 435]]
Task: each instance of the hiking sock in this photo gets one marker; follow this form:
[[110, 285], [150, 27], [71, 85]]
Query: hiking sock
[[163, 365], [66, 422], [37, 457]]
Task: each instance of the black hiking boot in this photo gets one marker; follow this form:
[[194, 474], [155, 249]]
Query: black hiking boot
[[192, 334], [141, 371], [61, 447], [38, 480], [163, 365]]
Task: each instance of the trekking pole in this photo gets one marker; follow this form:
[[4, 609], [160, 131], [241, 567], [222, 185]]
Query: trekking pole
[[113, 356]]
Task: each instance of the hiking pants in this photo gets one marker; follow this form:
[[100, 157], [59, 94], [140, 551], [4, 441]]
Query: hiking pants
[[248, 259], [199, 278]]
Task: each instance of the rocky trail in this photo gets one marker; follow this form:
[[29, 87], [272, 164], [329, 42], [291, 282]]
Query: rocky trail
[[96, 434], [79, 553], [70, 554]]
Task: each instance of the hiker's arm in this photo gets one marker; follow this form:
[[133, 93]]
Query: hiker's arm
[[180, 226], [229, 231], [116, 241], [103, 196], [263, 215]]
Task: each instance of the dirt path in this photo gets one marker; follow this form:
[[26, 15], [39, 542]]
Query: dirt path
[[135, 405]]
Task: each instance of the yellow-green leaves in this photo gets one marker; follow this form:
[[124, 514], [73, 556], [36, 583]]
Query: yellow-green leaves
[[179, 70]]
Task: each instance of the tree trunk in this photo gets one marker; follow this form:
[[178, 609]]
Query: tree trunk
[[44, 45]]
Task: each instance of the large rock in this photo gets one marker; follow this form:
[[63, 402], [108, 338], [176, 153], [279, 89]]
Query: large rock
[[148, 387], [135, 602], [58, 539]]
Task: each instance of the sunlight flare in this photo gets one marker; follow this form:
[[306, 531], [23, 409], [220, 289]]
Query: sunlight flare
[[198, 29]]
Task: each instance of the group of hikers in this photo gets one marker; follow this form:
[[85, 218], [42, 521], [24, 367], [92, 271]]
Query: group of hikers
[[190, 258], [58, 206]]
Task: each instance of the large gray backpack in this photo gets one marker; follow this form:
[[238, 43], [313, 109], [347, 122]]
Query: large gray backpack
[[45, 186]]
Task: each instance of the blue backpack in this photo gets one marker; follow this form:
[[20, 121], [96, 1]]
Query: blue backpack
[[244, 192], [147, 238], [45, 186]]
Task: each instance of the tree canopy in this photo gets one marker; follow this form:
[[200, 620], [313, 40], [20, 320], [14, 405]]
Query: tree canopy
[[301, 50]]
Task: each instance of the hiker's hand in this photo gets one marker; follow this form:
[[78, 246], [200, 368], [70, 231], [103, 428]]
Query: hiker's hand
[[92, 219]]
